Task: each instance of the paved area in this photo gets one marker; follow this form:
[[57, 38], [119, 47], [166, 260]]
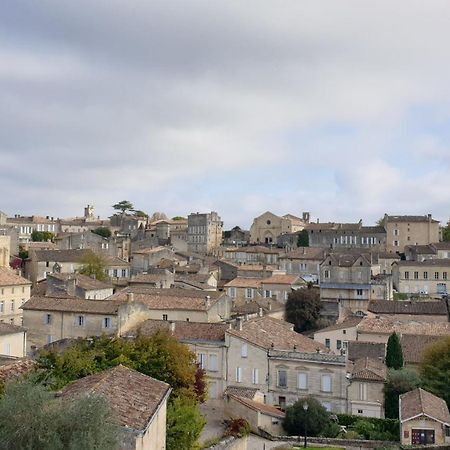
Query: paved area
[[213, 411], [258, 443]]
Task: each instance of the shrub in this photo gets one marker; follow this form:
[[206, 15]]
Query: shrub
[[371, 427], [238, 428]]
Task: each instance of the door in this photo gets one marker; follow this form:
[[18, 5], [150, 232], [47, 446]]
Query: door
[[213, 389], [422, 437]]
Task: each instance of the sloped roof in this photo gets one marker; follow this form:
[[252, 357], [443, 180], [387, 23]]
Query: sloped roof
[[61, 255], [349, 322], [10, 278], [82, 281], [244, 282], [420, 402], [133, 396], [7, 328], [407, 307], [240, 391], [283, 279], [410, 219], [260, 407], [425, 263], [369, 369], [12, 368], [71, 304], [413, 346], [359, 349], [388, 324], [306, 253]]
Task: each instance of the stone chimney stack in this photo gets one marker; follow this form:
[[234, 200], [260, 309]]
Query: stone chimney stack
[[172, 327], [207, 301], [71, 286], [260, 312], [239, 324], [130, 297]]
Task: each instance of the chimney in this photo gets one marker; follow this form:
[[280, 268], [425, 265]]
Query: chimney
[[71, 286], [172, 327], [130, 297], [317, 220], [239, 324], [207, 301], [260, 312]]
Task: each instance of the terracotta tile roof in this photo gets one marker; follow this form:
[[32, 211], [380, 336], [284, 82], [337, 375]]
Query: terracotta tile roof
[[369, 369], [413, 346], [183, 330], [184, 299], [283, 279], [349, 322], [239, 391], [15, 368], [268, 305], [133, 396], [243, 282], [306, 253], [60, 255], [7, 328], [265, 331], [149, 251], [387, 325], [114, 261], [420, 402], [82, 281], [268, 410], [407, 307], [360, 349], [42, 246], [10, 278], [72, 304]]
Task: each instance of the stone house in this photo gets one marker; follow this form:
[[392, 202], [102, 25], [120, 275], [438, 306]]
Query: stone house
[[257, 254], [243, 290], [278, 286], [25, 225], [118, 270], [267, 227], [429, 277], [77, 285], [304, 261], [424, 419], [365, 391], [129, 224], [12, 340], [155, 278], [14, 292], [236, 236], [204, 233], [257, 271], [409, 230], [138, 402], [144, 259], [5, 250]]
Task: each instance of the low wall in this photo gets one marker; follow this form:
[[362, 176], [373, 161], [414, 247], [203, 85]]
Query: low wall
[[230, 443]]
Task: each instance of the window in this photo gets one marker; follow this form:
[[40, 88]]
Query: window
[[238, 374], [444, 275], [359, 292], [338, 344], [201, 360], [327, 343], [12, 305], [396, 233], [344, 331], [396, 244], [232, 292], [267, 294], [302, 380], [406, 275], [436, 275], [327, 273], [360, 411], [282, 378], [425, 275], [362, 391], [255, 376], [416, 275], [48, 319], [106, 322], [325, 383], [50, 339], [80, 321], [7, 349], [213, 363], [244, 350], [165, 317], [248, 293], [2, 306], [124, 272], [12, 290], [11, 321]]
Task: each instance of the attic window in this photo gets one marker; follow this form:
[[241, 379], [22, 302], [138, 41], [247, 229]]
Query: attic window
[[360, 263], [268, 222], [329, 262]]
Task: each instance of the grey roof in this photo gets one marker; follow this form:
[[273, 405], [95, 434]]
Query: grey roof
[[359, 349], [61, 255], [408, 307]]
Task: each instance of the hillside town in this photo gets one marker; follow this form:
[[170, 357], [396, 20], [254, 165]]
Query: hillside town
[[293, 317]]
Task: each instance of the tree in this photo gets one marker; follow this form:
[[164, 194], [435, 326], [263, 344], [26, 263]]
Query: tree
[[317, 418], [398, 382], [303, 308], [31, 418], [394, 353], [123, 206], [178, 218], [435, 368], [303, 239], [103, 232], [380, 222], [42, 236], [446, 233], [93, 265], [139, 213], [184, 424], [158, 216], [201, 385]]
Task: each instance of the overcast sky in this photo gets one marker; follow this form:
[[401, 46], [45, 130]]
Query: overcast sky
[[340, 108]]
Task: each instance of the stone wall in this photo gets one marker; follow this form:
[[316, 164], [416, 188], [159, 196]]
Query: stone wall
[[230, 443]]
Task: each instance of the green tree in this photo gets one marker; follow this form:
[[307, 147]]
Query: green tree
[[380, 222], [178, 218], [317, 418], [123, 206], [139, 213], [394, 353], [303, 308], [303, 239], [435, 368], [93, 265], [398, 382], [446, 233], [103, 232], [42, 236], [32, 419], [184, 424]]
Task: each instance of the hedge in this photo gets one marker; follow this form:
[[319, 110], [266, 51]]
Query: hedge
[[391, 426]]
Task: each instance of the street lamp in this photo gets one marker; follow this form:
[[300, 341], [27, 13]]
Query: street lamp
[[305, 408]]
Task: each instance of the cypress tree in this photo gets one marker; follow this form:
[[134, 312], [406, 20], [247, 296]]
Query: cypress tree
[[394, 353]]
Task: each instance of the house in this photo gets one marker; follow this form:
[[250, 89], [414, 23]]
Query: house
[[337, 337], [409, 230], [14, 292], [424, 419], [242, 290], [303, 261], [268, 226], [365, 391], [256, 254], [203, 281], [424, 311], [144, 259], [25, 225], [154, 278], [138, 402], [12, 340], [236, 236], [129, 224], [89, 221], [117, 270], [266, 354], [204, 233], [359, 349], [78, 285], [280, 286], [5, 250], [257, 270], [429, 277], [257, 308], [436, 250]]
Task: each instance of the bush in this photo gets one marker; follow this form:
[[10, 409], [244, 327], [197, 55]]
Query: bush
[[371, 427], [238, 428]]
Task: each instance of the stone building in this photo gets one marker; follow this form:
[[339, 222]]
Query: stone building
[[25, 225], [436, 250], [256, 254], [5, 250], [304, 261], [204, 233], [12, 340]]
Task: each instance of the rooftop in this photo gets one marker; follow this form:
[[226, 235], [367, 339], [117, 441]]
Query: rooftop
[[11, 368], [133, 396], [7, 328], [242, 392], [407, 307], [349, 322], [425, 218], [306, 253], [369, 369], [283, 279], [359, 349], [243, 282], [413, 346], [81, 281], [260, 407], [387, 325], [60, 255], [425, 263], [420, 402], [10, 278]]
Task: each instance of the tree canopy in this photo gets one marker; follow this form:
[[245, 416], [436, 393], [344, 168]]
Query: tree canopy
[[93, 265], [446, 233], [103, 232], [394, 353], [31, 418], [435, 368], [139, 213], [123, 206], [303, 308], [42, 236], [303, 239]]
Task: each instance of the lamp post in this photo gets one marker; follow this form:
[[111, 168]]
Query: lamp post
[[305, 408]]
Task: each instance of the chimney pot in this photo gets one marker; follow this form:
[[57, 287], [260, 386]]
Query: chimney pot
[[172, 327], [130, 297], [239, 324]]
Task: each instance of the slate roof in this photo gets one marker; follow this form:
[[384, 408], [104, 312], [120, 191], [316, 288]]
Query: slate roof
[[260, 407], [407, 307], [360, 349], [413, 346], [369, 369], [420, 402], [61, 255], [425, 263], [265, 331], [10, 278], [132, 396]]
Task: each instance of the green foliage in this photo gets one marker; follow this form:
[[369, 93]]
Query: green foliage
[[238, 428], [446, 233], [435, 368], [394, 353], [303, 308], [103, 232], [201, 385], [178, 218], [184, 424], [23, 254], [384, 429], [94, 265], [317, 418], [123, 206], [398, 382], [42, 236], [139, 213], [303, 239], [400, 296], [32, 419]]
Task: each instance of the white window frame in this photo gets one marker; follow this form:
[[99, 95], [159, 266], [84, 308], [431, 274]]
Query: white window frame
[[302, 381], [326, 383], [244, 350], [201, 360], [238, 375], [213, 362], [255, 376], [249, 293]]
